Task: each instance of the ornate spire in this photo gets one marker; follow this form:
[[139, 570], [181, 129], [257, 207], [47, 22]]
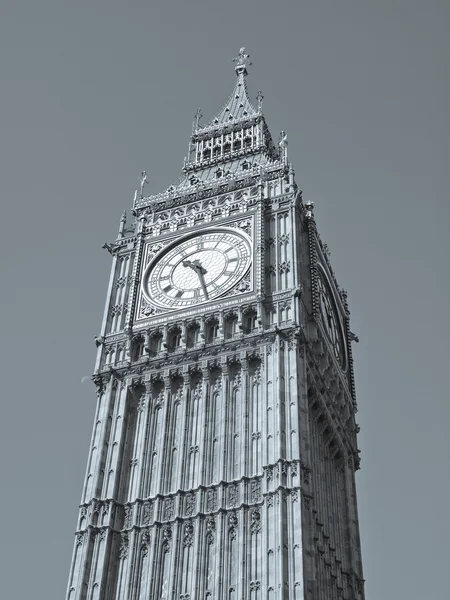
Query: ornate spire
[[238, 107]]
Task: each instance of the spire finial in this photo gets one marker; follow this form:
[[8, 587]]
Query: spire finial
[[143, 180], [123, 220], [198, 115], [282, 144], [242, 62]]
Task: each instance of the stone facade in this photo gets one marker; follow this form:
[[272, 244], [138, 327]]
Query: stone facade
[[224, 446]]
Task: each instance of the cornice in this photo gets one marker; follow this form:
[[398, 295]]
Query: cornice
[[176, 196]]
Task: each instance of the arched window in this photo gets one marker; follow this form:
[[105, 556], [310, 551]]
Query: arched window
[[249, 321], [192, 334], [212, 330], [137, 348], [174, 338], [154, 346], [230, 325]]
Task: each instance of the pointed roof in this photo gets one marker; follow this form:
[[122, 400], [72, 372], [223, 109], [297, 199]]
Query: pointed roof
[[238, 107]]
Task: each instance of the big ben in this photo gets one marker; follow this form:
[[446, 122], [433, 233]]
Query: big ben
[[223, 455]]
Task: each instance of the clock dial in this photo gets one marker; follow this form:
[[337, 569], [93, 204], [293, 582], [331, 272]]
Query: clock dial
[[197, 268], [330, 320]]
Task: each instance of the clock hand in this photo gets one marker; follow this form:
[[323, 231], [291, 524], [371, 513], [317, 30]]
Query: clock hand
[[202, 282], [197, 267]]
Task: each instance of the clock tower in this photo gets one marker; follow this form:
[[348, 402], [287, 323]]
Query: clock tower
[[223, 455]]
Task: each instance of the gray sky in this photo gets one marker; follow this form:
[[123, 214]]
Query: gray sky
[[94, 92]]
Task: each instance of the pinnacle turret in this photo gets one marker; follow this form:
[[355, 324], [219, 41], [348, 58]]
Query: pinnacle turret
[[235, 143]]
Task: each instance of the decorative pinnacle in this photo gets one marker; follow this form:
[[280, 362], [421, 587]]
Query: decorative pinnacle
[[260, 98], [143, 179], [123, 220], [283, 143], [242, 62], [198, 115]]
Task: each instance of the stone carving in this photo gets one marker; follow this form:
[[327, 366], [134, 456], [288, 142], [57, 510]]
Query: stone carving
[[243, 286], [256, 491], [100, 384], [210, 529], [211, 503], [145, 542], [167, 536], [80, 538], [128, 517], [123, 550], [188, 538], [106, 507], [306, 472], [232, 525], [237, 379], [168, 509], [147, 309], [233, 495], [141, 404], [255, 523], [116, 310], [147, 513], [190, 505], [257, 376], [197, 392], [255, 586]]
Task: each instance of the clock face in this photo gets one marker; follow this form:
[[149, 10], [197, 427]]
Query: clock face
[[330, 319], [197, 268]]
